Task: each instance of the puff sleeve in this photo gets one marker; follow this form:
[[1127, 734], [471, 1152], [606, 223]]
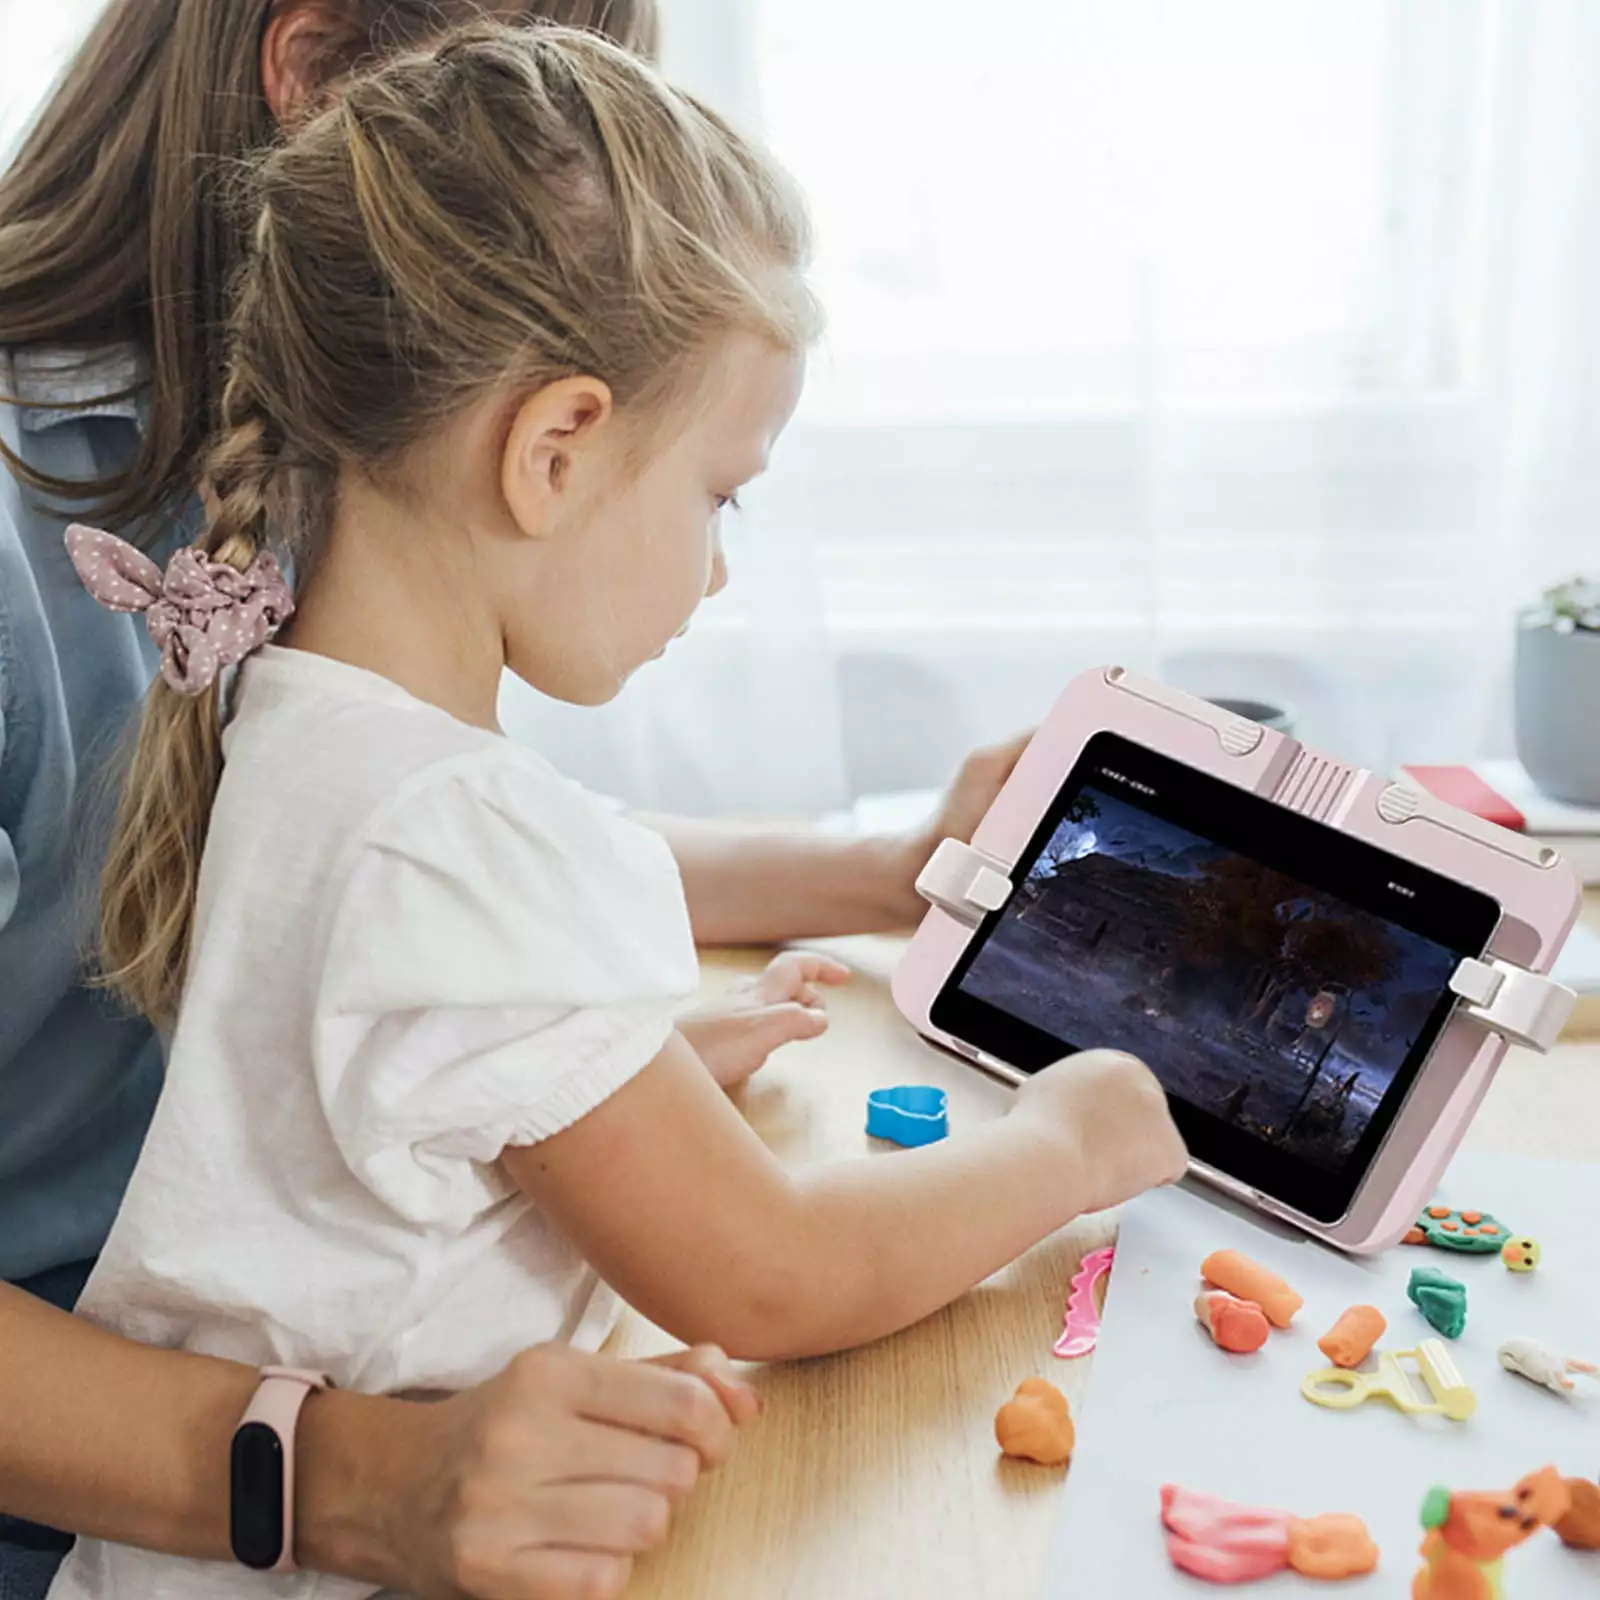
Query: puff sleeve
[[504, 955]]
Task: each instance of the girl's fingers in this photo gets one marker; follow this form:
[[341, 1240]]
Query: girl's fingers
[[774, 1026], [782, 976], [710, 1365], [820, 969], [792, 1020], [794, 974]]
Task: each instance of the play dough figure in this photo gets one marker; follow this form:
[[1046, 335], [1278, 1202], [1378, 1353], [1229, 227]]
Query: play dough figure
[[1350, 1340], [1531, 1360], [1521, 1254], [1036, 1424], [1469, 1534], [1238, 1326], [1211, 1538], [1249, 1280], [1440, 1298], [1475, 1232], [1580, 1528], [1333, 1546]]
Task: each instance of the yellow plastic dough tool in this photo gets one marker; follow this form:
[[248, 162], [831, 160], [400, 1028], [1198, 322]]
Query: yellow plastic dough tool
[[1450, 1396]]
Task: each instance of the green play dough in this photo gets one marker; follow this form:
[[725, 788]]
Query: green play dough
[[1440, 1298], [1435, 1507], [1488, 1233]]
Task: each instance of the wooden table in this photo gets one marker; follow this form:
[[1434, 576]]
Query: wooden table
[[874, 1474]]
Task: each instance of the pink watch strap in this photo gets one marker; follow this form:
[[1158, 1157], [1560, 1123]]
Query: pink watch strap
[[276, 1403]]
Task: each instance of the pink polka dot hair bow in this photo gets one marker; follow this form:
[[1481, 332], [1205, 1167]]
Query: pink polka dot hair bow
[[203, 615]]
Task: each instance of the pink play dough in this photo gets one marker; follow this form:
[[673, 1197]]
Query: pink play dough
[[1212, 1538]]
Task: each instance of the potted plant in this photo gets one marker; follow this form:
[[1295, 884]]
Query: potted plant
[[1558, 692]]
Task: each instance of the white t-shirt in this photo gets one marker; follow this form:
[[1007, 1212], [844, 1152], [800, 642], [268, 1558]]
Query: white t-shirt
[[415, 944]]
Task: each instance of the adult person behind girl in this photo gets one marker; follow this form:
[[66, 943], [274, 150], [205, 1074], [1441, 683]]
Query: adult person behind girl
[[115, 249]]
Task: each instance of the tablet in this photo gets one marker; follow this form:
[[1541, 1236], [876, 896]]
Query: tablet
[[1323, 967], [1284, 981]]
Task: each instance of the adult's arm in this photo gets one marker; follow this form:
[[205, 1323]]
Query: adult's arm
[[543, 1482], [749, 885]]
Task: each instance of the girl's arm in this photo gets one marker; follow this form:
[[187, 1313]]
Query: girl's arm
[[115, 1440], [748, 885], [682, 1209]]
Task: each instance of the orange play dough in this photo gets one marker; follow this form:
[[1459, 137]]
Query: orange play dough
[[1036, 1424], [1469, 1534], [1350, 1340], [1249, 1280], [1333, 1546], [1580, 1527], [1238, 1326]]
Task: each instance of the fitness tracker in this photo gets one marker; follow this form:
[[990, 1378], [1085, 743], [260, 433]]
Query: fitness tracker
[[261, 1470]]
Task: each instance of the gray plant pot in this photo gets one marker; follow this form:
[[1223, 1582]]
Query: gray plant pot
[[1558, 711]]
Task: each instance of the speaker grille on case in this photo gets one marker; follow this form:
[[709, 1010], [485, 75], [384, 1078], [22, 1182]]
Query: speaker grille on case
[[1314, 786]]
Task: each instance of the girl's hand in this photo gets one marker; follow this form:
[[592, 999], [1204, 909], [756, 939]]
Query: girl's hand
[[1108, 1113], [545, 1482], [735, 1035]]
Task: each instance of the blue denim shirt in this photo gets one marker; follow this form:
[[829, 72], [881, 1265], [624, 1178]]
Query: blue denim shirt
[[78, 1080]]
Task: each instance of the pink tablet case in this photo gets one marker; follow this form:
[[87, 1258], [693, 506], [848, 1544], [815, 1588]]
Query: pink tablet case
[[1504, 997]]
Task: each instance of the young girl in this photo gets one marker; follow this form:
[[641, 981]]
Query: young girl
[[518, 322]]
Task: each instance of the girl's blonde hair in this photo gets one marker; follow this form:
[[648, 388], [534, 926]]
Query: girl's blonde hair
[[511, 208], [113, 221]]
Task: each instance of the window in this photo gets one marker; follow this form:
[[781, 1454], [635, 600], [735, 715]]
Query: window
[[1055, 204], [1169, 333]]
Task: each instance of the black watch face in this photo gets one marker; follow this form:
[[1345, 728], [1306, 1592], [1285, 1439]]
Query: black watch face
[[255, 1503]]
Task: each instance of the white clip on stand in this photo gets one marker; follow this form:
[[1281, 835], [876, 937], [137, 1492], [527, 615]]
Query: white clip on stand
[[1522, 1007], [963, 882]]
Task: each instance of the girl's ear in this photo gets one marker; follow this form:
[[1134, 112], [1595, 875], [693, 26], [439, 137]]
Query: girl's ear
[[296, 44], [552, 432]]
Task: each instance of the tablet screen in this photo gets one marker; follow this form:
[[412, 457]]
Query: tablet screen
[[1284, 981]]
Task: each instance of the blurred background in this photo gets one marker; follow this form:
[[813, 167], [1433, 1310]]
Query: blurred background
[[1252, 343]]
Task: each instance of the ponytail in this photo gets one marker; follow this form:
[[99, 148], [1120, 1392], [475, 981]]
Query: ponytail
[[152, 872], [150, 884]]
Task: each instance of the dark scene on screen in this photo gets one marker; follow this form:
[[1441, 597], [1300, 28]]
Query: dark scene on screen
[[1278, 1008]]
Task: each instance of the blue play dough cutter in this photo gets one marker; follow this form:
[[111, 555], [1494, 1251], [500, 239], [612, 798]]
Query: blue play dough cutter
[[912, 1114]]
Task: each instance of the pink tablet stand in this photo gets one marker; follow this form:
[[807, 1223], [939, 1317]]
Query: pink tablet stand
[[1503, 998]]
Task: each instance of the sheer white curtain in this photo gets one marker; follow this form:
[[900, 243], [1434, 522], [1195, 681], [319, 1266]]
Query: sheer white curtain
[[1253, 342]]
